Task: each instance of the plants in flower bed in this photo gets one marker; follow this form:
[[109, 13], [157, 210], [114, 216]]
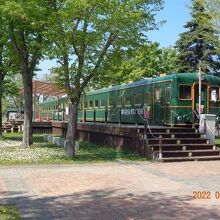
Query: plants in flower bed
[[217, 142], [9, 213], [47, 153]]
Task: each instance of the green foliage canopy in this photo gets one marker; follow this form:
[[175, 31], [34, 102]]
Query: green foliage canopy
[[87, 34], [145, 62], [200, 42]]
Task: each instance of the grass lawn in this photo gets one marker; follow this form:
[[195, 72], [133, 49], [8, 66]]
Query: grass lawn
[[47, 153], [217, 142], [8, 213]]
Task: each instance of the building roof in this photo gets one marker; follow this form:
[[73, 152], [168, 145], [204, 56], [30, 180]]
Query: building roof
[[41, 87]]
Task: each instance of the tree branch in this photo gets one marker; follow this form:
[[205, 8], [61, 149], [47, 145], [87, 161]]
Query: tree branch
[[112, 37]]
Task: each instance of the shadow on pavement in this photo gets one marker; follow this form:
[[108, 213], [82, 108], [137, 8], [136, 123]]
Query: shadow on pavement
[[109, 204]]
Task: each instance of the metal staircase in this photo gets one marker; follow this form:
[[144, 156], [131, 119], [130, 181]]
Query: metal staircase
[[169, 144]]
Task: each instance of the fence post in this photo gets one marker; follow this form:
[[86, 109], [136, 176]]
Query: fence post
[[160, 147]]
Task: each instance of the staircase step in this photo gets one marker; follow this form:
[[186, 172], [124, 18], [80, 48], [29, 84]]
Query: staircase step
[[176, 159], [171, 147], [179, 141], [173, 135], [192, 153], [168, 130]]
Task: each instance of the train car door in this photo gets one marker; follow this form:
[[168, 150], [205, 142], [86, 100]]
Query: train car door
[[157, 106], [204, 98]]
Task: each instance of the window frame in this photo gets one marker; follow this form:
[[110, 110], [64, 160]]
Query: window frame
[[160, 94], [96, 100], [125, 97], [102, 105], [111, 106], [141, 99], [90, 101], [118, 98], [190, 99], [170, 96], [146, 98]]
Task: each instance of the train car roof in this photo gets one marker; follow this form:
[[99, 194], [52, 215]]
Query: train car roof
[[184, 77]]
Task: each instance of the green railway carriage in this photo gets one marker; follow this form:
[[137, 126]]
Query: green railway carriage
[[54, 109], [166, 100]]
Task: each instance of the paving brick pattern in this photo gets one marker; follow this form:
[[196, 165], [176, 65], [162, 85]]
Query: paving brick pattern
[[112, 191]]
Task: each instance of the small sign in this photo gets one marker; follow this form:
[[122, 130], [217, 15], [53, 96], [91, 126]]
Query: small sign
[[201, 108], [213, 95], [147, 112]]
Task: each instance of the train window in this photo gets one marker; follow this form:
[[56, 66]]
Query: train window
[[168, 93], [185, 92], [85, 104], [90, 104], [157, 94], [214, 94], [148, 98], [96, 103], [102, 103], [137, 98], [110, 101], [127, 100], [118, 101]]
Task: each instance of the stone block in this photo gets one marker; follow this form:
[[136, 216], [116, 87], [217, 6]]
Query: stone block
[[45, 137], [50, 139]]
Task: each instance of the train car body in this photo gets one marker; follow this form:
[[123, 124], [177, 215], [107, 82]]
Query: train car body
[[54, 109], [167, 100]]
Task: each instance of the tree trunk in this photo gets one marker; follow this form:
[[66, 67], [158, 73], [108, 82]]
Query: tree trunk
[[71, 131], [28, 112], [1, 93]]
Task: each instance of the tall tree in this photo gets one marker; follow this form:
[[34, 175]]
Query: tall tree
[[142, 63], [200, 42], [26, 21], [6, 62], [86, 34], [214, 10]]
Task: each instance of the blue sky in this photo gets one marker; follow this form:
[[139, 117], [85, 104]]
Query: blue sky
[[175, 12]]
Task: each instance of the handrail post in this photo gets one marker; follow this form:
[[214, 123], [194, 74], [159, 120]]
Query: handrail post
[[172, 118], [136, 117], [205, 126], [193, 119], [106, 117], [119, 117], [84, 116], [160, 146], [145, 129], [94, 116]]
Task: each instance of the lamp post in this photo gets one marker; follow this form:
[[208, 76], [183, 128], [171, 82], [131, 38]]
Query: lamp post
[[200, 88]]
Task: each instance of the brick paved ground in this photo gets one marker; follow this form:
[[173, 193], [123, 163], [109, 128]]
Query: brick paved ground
[[117, 191]]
